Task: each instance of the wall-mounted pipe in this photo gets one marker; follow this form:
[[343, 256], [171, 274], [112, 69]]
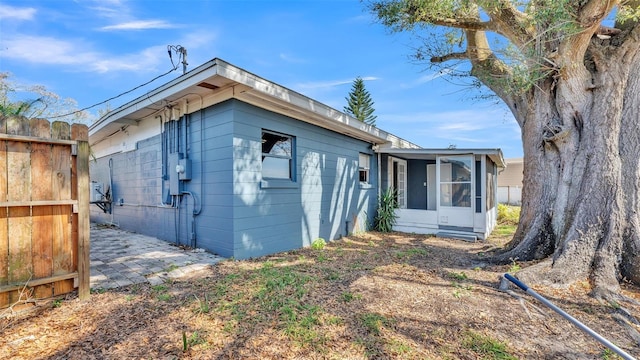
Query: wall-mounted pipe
[[111, 189]]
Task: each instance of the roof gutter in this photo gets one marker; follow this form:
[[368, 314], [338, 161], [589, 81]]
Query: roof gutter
[[252, 89], [191, 78]]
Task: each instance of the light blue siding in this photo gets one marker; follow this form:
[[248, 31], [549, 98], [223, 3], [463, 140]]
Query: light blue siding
[[326, 195], [137, 179], [239, 216]]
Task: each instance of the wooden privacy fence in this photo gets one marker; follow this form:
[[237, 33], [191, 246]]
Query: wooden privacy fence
[[44, 209]]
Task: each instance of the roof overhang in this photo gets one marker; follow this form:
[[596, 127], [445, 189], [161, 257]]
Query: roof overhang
[[430, 154], [217, 81]]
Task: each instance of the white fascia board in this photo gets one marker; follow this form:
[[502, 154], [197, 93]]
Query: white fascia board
[[494, 154], [174, 86], [312, 111], [252, 89]]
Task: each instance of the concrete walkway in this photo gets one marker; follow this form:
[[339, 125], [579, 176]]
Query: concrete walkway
[[120, 258]]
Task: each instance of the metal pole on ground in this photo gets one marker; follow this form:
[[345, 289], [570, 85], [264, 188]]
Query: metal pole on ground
[[573, 320]]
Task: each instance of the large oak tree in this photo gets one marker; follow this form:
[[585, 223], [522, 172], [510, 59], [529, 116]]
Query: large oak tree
[[573, 86]]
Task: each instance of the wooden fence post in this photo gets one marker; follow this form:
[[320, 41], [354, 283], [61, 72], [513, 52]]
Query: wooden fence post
[[80, 134]]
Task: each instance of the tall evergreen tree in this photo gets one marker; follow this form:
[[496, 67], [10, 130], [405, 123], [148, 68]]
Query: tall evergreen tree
[[359, 103]]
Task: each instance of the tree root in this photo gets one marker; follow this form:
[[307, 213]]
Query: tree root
[[612, 298], [628, 326]]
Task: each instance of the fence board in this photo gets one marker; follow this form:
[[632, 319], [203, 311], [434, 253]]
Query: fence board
[[19, 172], [4, 239], [17, 125], [60, 130], [20, 256], [19, 220], [4, 251], [62, 216], [83, 237], [41, 189]]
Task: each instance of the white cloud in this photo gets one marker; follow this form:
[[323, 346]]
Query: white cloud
[[329, 83], [147, 59], [358, 19], [79, 56], [198, 39], [427, 78], [292, 59], [432, 76], [140, 25], [482, 126], [476, 140], [11, 12], [45, 50], [462, 126], [111, 2]]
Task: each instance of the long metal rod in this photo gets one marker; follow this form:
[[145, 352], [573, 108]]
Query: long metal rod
[[573, 320]]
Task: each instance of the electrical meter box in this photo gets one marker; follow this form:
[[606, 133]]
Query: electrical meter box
[[97, 191], [174, 176], [179, 171], [184, 169]]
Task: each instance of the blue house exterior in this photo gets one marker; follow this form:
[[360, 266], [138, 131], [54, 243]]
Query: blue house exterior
[[224, 160], [263, 169]]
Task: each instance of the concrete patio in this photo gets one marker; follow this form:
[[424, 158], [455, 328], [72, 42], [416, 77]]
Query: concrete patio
[[120, 258]]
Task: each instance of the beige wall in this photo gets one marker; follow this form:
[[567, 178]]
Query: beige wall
[[512, 175]]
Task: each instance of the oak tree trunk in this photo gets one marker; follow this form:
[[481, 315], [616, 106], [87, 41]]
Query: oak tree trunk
[[581, 135]]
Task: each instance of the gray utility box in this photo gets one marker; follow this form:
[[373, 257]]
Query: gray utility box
[[97, 191], [184, 169], [179, 171]]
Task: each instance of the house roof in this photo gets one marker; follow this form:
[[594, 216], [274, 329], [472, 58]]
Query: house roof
[[216, 81], [430, 154]]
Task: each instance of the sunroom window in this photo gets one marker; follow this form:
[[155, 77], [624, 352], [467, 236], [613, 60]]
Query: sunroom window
[[455, 181]]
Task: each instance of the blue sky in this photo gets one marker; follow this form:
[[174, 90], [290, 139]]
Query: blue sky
[[92, 50]]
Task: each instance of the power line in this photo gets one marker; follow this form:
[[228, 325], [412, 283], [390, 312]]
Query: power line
[[178, 49]]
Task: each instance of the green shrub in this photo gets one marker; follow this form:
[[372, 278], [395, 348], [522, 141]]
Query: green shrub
[[386, 215], [318, 244], [508, 214]]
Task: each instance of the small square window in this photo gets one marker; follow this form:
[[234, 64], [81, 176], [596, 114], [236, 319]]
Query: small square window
[[277, 156], [364, 164]]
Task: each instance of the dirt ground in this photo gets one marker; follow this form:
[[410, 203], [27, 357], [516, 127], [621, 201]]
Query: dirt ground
[[370, 296]]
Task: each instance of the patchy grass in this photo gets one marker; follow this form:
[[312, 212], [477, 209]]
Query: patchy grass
[[410, 253], [505, 230], [508, 217], [369, 296], [486, 347]]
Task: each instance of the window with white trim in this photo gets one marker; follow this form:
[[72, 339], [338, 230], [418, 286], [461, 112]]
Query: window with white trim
[[277, 155], [455, 181], [364, 165]]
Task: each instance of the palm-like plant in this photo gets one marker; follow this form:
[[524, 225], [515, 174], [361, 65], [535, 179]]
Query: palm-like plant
[[386, 213]]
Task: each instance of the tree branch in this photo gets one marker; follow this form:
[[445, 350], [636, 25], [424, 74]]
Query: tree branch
[[447, 57], [593, 12], [607, 31], [490, 70], [589, 19], [510, 22], [465, 24]]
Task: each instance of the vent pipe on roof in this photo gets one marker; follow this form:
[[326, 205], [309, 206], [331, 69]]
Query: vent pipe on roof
[[184, 60]]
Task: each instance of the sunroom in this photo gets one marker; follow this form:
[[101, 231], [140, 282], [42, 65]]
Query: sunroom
[[447, 192]]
